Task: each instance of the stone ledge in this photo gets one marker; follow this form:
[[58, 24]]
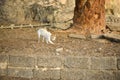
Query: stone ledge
[[25, 73], [47, 74], [3, 58], [118, 63], [61, 67], [76, 62], [3, 72], [3, 64], [100, 75], [117, 75], [68, 74], [49, 61], [21, 61], [103, 63]]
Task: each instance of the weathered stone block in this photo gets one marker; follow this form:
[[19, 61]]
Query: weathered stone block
[[21, 61], [99, 75], [114, 26], [67, 18], [3, 58], [117, 75], [63, 26], [77, 36], [118, 63], [103, 63], [51, 61], [3, 64], [47, 74], [3, 72], [76, 62], [68, 74], [25, 73]]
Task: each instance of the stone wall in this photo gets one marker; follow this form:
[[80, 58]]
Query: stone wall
[[112, 7], [60, 67], [113, 15], [58, 12]]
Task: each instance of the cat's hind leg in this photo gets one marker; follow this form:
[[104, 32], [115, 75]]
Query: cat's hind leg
[[38, 37], [47, 41], [43, 39]]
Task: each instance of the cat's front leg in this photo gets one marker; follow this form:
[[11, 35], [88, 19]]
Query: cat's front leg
[[39, 37], [38, 40], [43, 39], [50, 41], [47, 41]]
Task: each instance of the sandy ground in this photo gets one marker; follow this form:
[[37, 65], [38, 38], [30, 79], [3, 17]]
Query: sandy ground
[[24, 41]]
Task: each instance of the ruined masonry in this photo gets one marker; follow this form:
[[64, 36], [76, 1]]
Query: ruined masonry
[[60, 67]]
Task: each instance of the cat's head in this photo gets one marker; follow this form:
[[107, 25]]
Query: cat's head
[[53, 38]]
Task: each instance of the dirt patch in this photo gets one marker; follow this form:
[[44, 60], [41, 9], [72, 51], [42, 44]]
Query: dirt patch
[[24, 41]]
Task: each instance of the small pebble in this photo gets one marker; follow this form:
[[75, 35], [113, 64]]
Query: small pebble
[[59, 49]]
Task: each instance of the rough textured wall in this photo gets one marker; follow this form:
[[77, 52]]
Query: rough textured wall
[[61, 68], [112, 7], [113, 15], [57, 11], [27, 11]]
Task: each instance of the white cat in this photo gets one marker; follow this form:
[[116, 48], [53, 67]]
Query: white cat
[[45, 34]]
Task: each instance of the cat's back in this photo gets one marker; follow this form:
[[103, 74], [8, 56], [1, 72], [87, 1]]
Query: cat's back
[[43, 31]]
